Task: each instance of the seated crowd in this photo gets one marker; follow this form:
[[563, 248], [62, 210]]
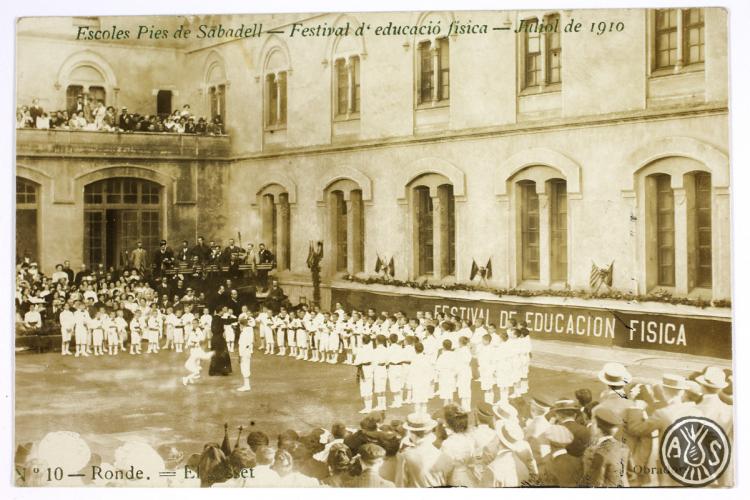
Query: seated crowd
[[95, 116]]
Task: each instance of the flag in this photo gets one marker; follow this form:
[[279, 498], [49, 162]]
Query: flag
[[319, 251], [391, 268], [378, 264], [488, 275], [601, 275], [225, 442], [310, 256], [474, 270], [607, 274]]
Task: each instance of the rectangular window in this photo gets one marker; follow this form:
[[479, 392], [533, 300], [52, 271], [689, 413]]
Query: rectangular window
[[71, 97], [558, 230], [150, 230], [272, 101], [282, 98], [341, 232], [425, 72], [665, 230], [529, 230], [425, 214], [553, 50], [666, 38], [532, 55], [693, 38], [444, 76], [342, 88], [451, 215], [93, 231], [703, 229], [354, 61]]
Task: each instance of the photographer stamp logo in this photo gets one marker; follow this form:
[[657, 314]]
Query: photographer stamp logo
[[695, 451]]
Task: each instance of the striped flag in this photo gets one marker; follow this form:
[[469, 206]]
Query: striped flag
[[600, 276]]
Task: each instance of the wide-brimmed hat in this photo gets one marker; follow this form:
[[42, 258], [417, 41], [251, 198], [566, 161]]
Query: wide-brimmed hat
[[504, 410], [608, 415], [673, 381], [537, 406], [714, 377], [558, 435], [420, 422], [614, 374], [566, 404], [510, 434]]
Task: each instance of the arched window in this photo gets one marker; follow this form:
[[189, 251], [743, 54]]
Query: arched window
[[216, 87], [541, 221], [27, 217], [275, 223], [88, 82], [434, 226], [346, 227], [678, 229], [275, 76]]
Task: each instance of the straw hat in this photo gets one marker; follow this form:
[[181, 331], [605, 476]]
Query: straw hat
[[420, 422], [614, 375], [714, 377], [510, 434]]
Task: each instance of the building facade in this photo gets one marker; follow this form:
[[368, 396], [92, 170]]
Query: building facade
[[541, 152]]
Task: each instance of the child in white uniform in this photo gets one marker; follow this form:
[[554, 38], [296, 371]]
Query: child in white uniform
[[446, 372], [420, 378], [229, 334], [113, 339], [280, 324], [396, 371], [505, 368], [380, 371], [153, 326], [486, 366], [179, 327], [463, 372], [363, 360], [122, 328], [67, 325], [97, 332], [245, 351], [205, 324], [266, 332], [136, 329], [170, 320], [81, 320], [193, 363]]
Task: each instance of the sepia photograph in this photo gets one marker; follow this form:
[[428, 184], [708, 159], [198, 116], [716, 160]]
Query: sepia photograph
[[424, 248]]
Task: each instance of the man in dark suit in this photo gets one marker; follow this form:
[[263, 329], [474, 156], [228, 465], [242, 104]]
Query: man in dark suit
[[164, 258], [560, 468], [183, 254], [201, 250], [228, 252], [607, 462], [83, 273], [67, 270], [265, 256], [565, 411]]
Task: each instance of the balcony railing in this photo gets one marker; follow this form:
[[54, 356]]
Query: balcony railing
[[57, 142]]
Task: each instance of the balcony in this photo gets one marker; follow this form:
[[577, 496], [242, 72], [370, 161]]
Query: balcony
[[76, 143]]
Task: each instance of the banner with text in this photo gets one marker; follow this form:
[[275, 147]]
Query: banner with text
[[705, 336]]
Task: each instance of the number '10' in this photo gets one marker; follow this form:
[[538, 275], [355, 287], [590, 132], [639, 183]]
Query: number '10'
[[56, 474]]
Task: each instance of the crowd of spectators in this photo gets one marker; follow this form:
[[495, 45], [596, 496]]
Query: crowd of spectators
[[577, 441], [93, 115], [207, 274]]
